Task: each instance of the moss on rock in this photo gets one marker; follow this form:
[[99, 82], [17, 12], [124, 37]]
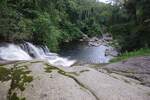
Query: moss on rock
[[5, 74], [20, 78]]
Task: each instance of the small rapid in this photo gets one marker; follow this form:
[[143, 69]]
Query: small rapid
[[28, 51]]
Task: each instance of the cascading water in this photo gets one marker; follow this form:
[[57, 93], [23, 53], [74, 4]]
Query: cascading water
[[28, 51], [13, 52]]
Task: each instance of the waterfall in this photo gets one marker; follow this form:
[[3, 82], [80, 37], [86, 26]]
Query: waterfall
[[34, 50], [28, 51], [13, 52]]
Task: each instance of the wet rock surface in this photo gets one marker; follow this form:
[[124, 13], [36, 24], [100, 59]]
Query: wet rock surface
[[41, 81]]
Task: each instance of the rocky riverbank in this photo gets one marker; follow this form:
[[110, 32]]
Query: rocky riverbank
[[38, 80], [105, 39]]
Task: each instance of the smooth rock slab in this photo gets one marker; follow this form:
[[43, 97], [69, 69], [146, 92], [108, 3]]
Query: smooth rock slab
[[75, 83], [106, 87], [137, 68], [4, 88], [53, 86]]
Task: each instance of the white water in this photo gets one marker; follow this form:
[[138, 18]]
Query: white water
[[15, 52]]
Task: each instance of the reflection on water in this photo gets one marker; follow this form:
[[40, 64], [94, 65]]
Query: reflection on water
[[83, 53]]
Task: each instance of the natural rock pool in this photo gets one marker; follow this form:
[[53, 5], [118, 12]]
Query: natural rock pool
[[83, 53]]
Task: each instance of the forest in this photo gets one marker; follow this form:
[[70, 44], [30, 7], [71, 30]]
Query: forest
[[52, 22]]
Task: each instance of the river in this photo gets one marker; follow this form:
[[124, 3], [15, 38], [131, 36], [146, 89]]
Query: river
[[71, 53], [83, 53]]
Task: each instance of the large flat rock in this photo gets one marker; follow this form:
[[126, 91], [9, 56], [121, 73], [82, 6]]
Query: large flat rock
[[108, 87], [73, 83], [137, 68], [4, 89], [53, 86]]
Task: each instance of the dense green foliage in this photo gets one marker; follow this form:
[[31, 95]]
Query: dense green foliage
[[50, 22], [132, 29]]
